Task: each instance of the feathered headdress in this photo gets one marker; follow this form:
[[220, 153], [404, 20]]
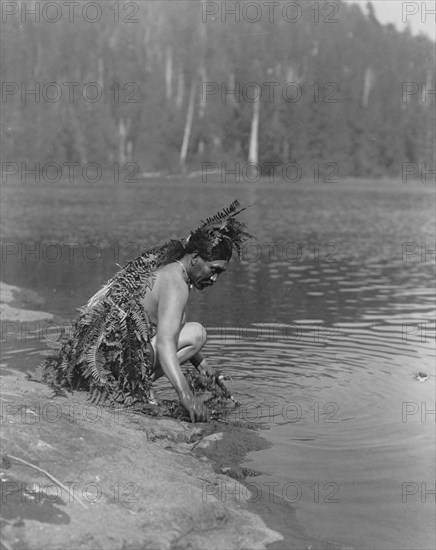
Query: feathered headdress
[[224, 226]]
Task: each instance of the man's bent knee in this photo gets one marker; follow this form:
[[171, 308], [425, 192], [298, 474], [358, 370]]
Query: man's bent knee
[[199, 335]]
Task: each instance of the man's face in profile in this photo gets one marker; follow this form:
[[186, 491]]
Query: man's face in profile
[[205, 273]]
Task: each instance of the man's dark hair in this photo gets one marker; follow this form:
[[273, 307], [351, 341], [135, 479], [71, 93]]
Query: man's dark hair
[[201, 242]]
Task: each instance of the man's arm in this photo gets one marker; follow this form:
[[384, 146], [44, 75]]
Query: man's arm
[[172, 300]]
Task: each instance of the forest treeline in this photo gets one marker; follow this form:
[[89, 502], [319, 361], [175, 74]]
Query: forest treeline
[[171, 85]]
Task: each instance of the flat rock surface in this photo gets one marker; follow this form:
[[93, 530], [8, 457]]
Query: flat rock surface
[[13, 301], [139, 483], [75, 475]]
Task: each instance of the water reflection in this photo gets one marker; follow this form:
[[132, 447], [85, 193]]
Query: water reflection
[[321, 325]]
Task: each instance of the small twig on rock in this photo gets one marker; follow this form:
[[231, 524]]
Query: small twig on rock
[[197, 442], [181, 536], [220, 420], [49, 476]]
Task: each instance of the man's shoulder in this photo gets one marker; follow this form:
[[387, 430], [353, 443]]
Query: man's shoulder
[[169, 275], [168, 271]]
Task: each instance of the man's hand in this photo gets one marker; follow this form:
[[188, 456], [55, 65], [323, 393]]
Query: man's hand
[[198, 411], [205, 369]]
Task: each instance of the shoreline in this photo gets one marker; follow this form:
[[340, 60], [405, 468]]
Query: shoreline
[[197, 495], [139, 483]]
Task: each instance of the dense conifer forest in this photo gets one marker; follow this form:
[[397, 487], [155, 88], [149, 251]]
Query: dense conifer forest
[[173, 86]]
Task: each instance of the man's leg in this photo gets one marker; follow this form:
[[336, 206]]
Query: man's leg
[[191, 340]]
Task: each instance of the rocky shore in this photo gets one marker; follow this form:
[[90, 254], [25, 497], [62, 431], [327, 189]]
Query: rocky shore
[[75, 475], [122, 480]]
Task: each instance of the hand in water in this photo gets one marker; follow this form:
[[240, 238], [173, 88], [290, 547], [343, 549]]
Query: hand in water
[[205, 369], [198, 411]]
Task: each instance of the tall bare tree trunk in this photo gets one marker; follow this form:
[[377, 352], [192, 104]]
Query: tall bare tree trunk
[[180, 88], [202, 110], [203, 78], [368, 83], [169, 73], [253, 153], [123, 130], [188, 126], [100, 72]]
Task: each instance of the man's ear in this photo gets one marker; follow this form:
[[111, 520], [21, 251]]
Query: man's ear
[[194, 257]]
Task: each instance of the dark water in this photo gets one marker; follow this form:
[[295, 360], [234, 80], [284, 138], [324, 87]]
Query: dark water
[[322, 325]]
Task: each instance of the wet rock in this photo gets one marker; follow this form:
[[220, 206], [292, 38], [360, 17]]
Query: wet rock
[[236, 472], [138, 493], [12, 299], [209, 440]]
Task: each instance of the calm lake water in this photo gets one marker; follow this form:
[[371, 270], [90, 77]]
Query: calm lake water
[[322, 325]]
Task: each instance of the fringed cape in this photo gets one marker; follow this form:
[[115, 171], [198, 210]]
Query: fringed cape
[[105, 350]]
